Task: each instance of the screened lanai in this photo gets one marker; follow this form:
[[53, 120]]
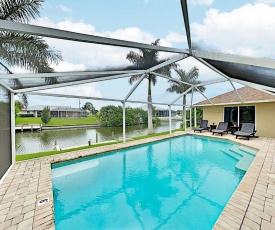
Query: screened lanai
[[225, 68]]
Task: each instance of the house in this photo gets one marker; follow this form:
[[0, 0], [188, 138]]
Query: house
[[160, 112], [258, 107], [56, 111]]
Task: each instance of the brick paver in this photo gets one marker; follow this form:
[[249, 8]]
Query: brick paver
[[252, 206]]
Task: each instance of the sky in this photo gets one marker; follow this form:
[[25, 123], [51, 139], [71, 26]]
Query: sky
[[236, 27]]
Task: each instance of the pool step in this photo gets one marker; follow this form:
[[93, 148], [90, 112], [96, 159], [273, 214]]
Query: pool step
[[244, 163], [232, 154], [241, 153], [243, 150]]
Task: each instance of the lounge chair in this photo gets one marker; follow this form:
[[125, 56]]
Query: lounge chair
[[247, 130], [203, 126], [222, 127]]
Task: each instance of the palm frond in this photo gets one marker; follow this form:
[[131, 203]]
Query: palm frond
[[135, 59], [19, 10], [28, 52], [190, 77], [134, 78]]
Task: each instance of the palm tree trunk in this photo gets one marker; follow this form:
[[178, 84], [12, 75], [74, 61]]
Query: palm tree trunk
[[149, 100], [183, 110]]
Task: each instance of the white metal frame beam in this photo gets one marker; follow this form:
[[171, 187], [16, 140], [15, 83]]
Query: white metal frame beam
[[210, 82], [59, 85], [66, 74], [186, 24], [204, 95], [222, 74], [171, 78], [168, 62], [72, 36], [134, 88], [180, 96], [94, 98], [6, 87]]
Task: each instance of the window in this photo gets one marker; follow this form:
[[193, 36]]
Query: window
[[247, 114]]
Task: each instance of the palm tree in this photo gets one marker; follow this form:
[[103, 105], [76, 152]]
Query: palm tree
[[26, 51], [190, 77], [145, 59]]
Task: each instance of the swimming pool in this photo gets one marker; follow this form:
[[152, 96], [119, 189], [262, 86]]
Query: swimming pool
[[178, 183]]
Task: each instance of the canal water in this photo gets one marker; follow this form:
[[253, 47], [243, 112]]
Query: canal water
[[32, 142]]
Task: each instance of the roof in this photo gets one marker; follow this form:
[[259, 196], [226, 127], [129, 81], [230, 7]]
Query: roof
[[145, 108], [247, 94], [52, 108]]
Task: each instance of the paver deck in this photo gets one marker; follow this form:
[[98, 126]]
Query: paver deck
[[252, 206]]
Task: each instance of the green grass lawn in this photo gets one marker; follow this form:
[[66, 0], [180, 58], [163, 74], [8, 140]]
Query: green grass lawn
[[57, 121], [44, 154]]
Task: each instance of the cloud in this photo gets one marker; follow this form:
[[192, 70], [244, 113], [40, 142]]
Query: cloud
[[88, 90], [66, 66], [248, 30], [175, 37], [268, 2], [202, 2], [65, 9], [94, 56]]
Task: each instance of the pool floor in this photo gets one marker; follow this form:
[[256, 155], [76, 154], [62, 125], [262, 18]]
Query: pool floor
[[178, 183]]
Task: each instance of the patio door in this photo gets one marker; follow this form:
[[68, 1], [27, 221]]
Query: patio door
[[239, 114], [231, 116]]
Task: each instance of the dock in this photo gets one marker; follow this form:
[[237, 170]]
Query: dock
[[28, 127]]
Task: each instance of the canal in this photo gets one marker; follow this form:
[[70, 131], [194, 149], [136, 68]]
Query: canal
[[32, 142]]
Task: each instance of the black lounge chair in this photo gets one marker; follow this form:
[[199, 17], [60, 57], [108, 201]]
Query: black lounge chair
[[222, 127], [247, 130], [203, 126]]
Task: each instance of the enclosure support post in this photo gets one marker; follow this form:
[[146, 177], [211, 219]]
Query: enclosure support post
[[124, 123], [195, 116], [185, 118], [170, 119], [12, 128], [191, 117]]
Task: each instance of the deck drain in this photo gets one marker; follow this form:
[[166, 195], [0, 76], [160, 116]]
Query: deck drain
[[43, 201]]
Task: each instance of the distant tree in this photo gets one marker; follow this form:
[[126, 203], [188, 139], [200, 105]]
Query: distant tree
[[113, 116], [46, 115], [190, 77], [19, 104], [89, 106]]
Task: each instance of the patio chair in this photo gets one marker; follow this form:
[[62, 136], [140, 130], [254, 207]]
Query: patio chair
[[203, 126], [222, 127], [247, 130]]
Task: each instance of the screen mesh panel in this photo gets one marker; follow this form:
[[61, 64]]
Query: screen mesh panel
[[5, 132], [253, 74]]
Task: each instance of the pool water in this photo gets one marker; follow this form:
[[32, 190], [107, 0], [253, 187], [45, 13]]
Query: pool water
[[178, 183]]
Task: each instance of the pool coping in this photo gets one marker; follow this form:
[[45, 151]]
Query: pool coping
[[252, 205]]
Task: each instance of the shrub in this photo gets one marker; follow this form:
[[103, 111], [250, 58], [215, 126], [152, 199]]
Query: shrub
[[26, 115], [46, 115], [113, 116]]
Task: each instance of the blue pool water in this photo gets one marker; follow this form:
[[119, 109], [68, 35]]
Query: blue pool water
[[179, 183]]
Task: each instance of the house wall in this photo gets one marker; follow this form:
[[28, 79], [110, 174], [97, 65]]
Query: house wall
[[265, 114]]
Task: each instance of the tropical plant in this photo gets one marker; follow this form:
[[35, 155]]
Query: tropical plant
[[23, 50], [113, 116], [190, 77], [145, 59], [46, 115]]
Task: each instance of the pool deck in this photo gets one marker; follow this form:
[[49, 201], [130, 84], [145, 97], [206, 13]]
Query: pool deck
[[252, 206]]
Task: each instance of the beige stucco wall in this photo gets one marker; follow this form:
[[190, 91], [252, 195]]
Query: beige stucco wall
[[265, 116]]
